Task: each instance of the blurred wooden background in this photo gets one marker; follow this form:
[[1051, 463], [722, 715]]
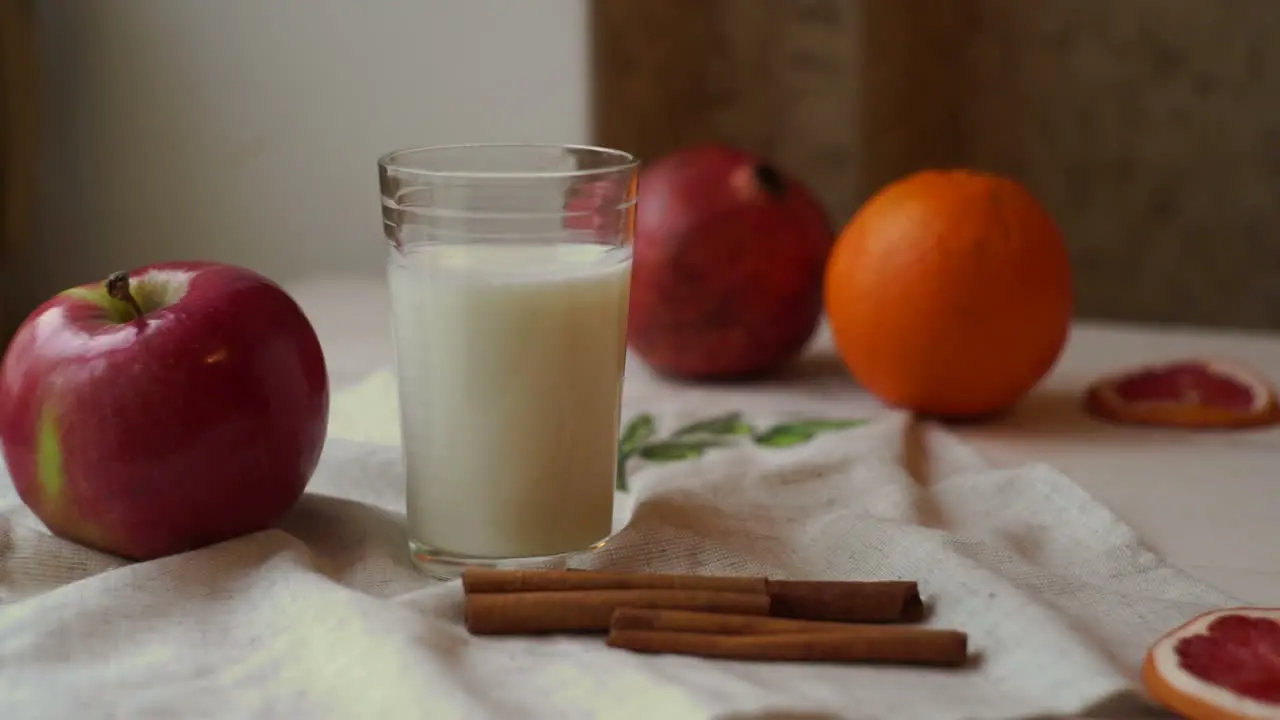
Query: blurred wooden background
[[1151, 128], [17, 130]]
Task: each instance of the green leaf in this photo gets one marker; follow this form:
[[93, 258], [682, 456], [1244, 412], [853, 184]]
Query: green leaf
[[635, 434], [723, 425], [620, 477], [801, 431], [827, 424], [784, 436], [672, 450]]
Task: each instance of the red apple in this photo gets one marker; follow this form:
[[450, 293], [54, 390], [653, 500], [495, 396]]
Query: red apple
[[169, 408], [727, 271]]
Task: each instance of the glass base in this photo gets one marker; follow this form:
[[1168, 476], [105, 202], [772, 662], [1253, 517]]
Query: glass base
[[443, 565]]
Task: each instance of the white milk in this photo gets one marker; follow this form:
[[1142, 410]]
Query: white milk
[[510, 361]]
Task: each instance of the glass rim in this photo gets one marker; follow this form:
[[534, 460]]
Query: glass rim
[[624, 161]]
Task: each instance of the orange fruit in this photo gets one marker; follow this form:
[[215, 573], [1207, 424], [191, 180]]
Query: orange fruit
[[1223, 664], [949, 293]]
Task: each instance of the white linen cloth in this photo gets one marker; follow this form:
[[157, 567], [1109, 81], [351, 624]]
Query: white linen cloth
[[324, 617]]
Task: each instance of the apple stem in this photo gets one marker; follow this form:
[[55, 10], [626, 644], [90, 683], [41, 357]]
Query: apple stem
[[118, 289]]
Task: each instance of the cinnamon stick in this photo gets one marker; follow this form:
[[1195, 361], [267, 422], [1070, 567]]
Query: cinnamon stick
[[885, 601], [846, 600], [634, 618], [492, 580], [867, 644], [557, 611]]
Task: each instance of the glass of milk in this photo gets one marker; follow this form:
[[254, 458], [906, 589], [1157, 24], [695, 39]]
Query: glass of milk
[[509, 272]]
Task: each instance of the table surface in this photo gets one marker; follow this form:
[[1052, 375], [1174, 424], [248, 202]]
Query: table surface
[[1207, 501]]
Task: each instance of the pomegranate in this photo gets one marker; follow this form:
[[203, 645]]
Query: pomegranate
[[728, 265], [600, 207]]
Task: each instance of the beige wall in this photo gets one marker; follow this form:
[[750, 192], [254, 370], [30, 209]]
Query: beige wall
[[247, 131]]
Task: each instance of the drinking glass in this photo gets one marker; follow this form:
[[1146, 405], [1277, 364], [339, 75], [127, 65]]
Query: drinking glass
[[509, 273]]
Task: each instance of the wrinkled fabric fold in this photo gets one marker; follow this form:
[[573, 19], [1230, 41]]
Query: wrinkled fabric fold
[[324, 617]]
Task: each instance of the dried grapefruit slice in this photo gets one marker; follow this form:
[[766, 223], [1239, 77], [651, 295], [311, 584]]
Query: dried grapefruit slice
[[1223, 664], [1185, 393]]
